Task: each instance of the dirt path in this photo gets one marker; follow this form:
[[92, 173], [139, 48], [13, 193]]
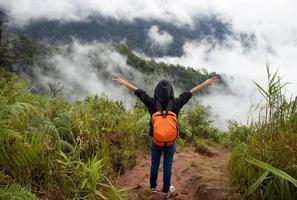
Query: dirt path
[[195, 176]]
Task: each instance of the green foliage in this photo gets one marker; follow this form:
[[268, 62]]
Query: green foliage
[[272, 141], [271, 169], [194, 122], [68, 146], [237, 134], [16, 192]]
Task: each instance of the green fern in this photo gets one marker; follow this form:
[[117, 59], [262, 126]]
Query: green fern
[[21, 108], [51, 129], [14, 154], [16, 192], [65, 146]]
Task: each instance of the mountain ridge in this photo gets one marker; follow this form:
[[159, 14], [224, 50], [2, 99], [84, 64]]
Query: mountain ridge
[[214, 29]]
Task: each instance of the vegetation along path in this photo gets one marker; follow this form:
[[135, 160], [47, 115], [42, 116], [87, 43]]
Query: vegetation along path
[[195, 176]]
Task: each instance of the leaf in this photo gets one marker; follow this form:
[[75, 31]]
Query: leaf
[[84, 183], [128, 188], [100, 195], [262, 91], [61, 162], [273, 170], [258, 182], [16, 191]]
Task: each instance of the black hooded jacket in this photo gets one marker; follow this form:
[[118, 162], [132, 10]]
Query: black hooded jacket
[[163, 93]]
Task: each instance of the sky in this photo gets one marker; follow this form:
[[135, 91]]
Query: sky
[[273, 23]]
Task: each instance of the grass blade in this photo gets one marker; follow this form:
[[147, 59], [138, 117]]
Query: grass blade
[[273, 170], [258, 182]]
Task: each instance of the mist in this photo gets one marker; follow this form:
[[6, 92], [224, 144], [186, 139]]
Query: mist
[[159, 39], [85, 69], [245, 67]]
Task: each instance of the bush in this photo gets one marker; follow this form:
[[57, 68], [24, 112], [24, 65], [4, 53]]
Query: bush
[[194, 122]]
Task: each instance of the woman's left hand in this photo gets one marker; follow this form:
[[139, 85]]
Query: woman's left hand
[[212, 81], [119, 80]]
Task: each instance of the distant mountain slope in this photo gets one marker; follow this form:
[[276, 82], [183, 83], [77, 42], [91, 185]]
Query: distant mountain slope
[[43, 63], [179, 75], [135, 34]]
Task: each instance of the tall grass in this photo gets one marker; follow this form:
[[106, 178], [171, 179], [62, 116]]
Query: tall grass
[[47, 143], [271, 140]]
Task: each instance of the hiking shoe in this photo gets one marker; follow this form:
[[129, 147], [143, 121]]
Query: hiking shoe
[[154, 190], [168, 194]]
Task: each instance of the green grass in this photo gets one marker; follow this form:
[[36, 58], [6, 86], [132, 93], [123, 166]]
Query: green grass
[[264, 154]]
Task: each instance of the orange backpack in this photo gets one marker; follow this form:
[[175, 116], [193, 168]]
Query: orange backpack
[[165, 130]]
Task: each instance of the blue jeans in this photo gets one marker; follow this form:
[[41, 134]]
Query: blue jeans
[[156, 153]]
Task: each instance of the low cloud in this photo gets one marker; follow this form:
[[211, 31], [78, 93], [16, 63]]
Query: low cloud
[[242, 66], [23, 12], [87, 69], [238, 105], [159, 39]]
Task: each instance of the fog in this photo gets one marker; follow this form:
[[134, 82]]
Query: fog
[[86, 69], [159, 39], [245, 66]]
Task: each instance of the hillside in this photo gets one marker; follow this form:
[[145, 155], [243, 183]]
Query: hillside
[[33, 59], [212, 28]]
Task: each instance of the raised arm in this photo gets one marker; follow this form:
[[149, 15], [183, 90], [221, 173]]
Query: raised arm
[[125, 83], [204, 85], [141, 94]]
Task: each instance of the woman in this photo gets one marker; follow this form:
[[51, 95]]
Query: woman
[[163, 96]]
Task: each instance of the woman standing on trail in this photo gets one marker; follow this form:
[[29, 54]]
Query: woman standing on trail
[[164, 109]]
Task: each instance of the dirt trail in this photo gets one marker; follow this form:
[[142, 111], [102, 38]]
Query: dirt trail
[[195, 176]]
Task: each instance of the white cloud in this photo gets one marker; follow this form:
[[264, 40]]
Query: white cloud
[[79, 68], [159, 39], [22, 11], [245, 14], [245, 67]]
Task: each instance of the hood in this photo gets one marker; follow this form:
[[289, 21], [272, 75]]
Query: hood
[[164, 92]]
